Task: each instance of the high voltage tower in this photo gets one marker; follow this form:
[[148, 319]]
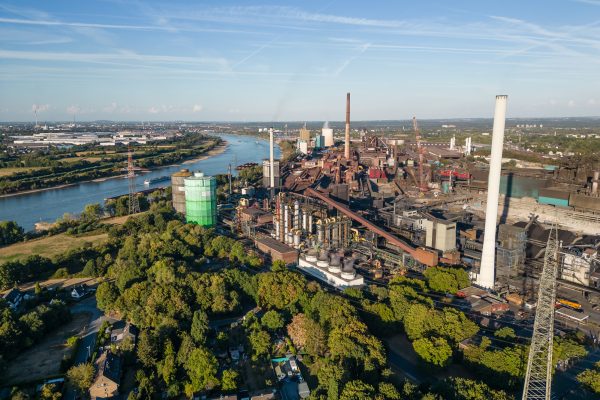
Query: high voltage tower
[[134, 205], [538, 378]]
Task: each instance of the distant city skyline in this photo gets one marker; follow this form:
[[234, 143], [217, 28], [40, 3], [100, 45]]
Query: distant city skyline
[[294, 61]]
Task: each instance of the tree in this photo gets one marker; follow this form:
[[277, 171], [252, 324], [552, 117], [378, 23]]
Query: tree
[[272, 320], [468, 389], [308, 334], [147, 349], [357, 390], [81, 377], [388, 391], [50, 392], [416, 320], [92, 212], [436, 351], [260, 341], [590, 378], [200, 327], [447, 280], [10, 233], [229, 380], [280, 289], [278, 266], [167, 368], [201, 367], [106, 296], [505, 333]]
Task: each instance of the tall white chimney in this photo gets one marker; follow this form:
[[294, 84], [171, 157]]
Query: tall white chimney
[[487, 271], [271, 158]]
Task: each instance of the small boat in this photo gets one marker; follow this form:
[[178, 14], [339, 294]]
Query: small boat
[[156, 180]]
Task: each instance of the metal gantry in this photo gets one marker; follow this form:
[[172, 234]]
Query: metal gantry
[[134, 205], [538, 378]]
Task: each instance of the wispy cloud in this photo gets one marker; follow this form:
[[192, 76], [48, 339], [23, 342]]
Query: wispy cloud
[[73, 109], [116, 57], [360, 51]]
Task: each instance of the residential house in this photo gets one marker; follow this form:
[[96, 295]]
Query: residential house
[[122, 330], [79, 292], [13, 298], [108, 377]]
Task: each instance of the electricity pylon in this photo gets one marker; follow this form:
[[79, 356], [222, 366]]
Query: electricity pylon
[[538, 378], [134, 205]]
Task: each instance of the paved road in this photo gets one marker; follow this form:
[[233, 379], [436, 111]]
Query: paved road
[[88, 334]]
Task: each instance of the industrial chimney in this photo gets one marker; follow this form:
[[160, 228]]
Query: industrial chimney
[[487, 271], [271, 159], [347, 148]]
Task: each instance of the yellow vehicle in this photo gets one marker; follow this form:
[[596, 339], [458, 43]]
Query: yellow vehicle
[[569, 304]]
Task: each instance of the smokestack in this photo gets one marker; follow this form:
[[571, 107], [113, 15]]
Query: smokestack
[[347, 148], [595, 183], [271, 159], [487, 271]]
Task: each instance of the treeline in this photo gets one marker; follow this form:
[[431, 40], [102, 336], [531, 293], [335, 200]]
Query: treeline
[[10, 232], [19, 332]]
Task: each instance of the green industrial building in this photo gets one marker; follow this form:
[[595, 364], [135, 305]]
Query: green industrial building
[[201, 199]]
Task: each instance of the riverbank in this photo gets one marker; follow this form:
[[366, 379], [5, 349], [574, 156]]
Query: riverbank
[[210, 153]]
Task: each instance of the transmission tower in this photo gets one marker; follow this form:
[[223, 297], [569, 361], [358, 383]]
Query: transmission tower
[[134, 205], [538, 378]]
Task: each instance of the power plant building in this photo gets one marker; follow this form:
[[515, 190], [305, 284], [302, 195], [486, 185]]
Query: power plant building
[[178, 189], [201, 199]]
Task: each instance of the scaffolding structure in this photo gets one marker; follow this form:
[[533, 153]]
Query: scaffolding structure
[[134, 205], [538, 378]]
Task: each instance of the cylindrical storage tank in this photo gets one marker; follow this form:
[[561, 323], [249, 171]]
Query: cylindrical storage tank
[[201, 199], [304, 221], [310, 223], [323, 260], [311, 255], [335, 265], [178, 189], [348, 272]]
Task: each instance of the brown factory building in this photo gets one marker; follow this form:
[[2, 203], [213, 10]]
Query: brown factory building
[[277, 250]]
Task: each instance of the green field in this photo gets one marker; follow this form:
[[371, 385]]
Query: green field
[[10, 171], [49, 246]]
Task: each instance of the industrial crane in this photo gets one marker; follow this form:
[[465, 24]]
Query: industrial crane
[[422, 187]]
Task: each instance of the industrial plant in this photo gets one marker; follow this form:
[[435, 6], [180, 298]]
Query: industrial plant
[[361, 207]]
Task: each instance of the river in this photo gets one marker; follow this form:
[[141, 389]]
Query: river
[[48, 205]]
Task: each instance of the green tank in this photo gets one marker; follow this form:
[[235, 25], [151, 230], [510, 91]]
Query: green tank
[[201, 199]]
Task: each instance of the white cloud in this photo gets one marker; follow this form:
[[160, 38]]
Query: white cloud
[[591, 102], [40, 107], [73, 109], [571, 103], [197, 108], [552, 102], [154, 110]]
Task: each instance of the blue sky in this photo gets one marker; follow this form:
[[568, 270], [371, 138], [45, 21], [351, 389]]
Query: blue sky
[[295, 60]]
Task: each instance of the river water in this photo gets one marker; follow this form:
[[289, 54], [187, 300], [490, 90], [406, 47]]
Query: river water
[[48, 205]]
